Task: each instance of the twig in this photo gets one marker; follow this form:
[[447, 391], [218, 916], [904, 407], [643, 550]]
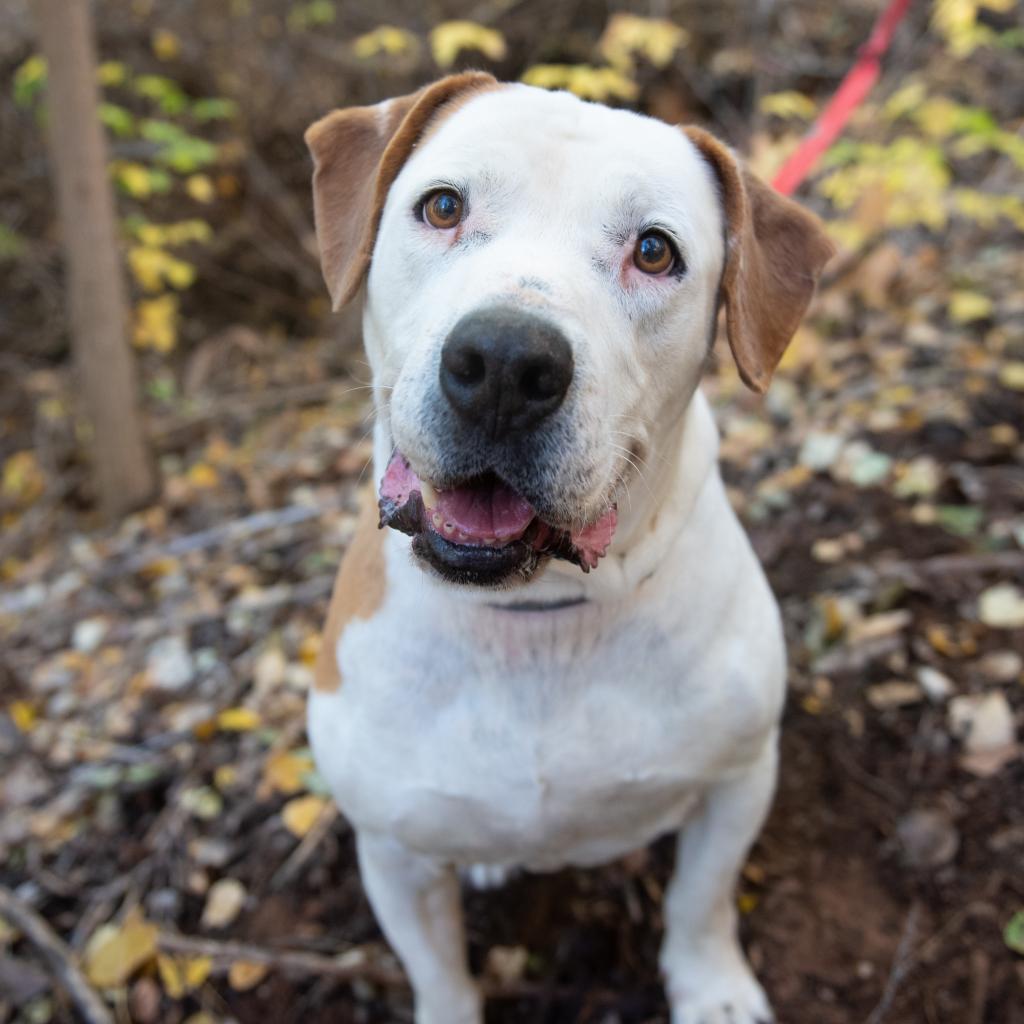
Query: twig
[[310, 841], [902, 965], [56, 955], [952, 565], [354, 964]]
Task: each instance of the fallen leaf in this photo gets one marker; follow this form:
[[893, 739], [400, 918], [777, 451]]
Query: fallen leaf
[[450, 38], [238, 720], [243, 975], [116, 952], [223, 903], [1013, 935], [182, 975], [299, 815], [967, 306], [285, 772]]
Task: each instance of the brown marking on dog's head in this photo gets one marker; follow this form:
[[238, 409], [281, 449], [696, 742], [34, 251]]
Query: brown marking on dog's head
[[358, 591], [357, 154], [775, 251]]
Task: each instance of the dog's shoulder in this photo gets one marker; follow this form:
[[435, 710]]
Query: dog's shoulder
[[359, 590]]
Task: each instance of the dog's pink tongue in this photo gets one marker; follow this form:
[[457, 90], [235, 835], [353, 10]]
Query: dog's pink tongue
[[489, 511]]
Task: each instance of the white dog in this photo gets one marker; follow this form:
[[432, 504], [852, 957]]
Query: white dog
[[542, 281]]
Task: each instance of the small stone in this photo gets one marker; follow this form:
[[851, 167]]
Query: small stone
[[1001, 666], [928, 838], [937, 687], [169, 664], [1002, 607], [982, 721], [88, 634]]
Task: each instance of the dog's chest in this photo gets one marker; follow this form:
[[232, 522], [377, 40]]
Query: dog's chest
[[535, 742]]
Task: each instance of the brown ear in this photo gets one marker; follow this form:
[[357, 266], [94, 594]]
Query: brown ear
[[357, 154], [774, 253]]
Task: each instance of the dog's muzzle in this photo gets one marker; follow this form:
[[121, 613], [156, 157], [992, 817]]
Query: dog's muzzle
[[503, 373]]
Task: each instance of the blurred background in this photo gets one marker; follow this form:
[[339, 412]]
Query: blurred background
[[164, 837]]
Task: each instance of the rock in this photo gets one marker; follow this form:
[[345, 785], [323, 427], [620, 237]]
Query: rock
[[928, 838], [937, 687], [1002, 607], [985, 725], [169, 664], [88, 634], [982, 721], [1001, 666]]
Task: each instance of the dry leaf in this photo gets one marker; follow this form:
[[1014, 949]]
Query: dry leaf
[[223, 903], [299, 815], [182, 975], [285, 772], [243, 975], [238, 720], [116, 952]]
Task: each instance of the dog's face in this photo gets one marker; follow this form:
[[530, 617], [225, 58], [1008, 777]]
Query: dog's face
[[543, 282]]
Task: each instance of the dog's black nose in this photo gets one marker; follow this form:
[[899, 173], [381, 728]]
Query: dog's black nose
[[505, 370]]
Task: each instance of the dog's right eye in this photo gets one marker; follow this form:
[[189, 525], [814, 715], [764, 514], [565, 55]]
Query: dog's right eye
[[443, 209]]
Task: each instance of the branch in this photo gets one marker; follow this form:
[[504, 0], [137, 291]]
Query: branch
[[57, 957]]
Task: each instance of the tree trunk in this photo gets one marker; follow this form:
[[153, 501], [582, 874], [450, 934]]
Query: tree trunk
[[104, 361]]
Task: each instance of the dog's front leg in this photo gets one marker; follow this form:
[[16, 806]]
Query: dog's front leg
[[417, 904], [708, 978]]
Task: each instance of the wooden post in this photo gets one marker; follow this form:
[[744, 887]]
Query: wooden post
[[104, 361]]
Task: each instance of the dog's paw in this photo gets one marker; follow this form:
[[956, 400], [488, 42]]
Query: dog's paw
[[487, 876], [704, 991]]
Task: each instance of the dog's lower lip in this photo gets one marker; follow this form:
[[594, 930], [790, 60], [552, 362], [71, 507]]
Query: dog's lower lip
[[484, 513]]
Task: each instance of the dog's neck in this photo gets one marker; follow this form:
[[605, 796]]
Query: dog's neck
[[653, 516]]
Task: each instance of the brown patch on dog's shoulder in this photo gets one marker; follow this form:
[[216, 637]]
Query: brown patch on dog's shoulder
[[358, 591]]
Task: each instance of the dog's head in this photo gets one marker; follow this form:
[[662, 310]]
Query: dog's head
[[543, 277]]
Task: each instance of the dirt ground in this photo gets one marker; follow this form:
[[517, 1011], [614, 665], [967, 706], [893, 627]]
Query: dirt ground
[[158, 809]]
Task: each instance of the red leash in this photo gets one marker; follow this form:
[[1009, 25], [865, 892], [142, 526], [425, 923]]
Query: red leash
[[855, 86]]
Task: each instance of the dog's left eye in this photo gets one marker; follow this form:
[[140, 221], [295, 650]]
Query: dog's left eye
[[653, 253], [443, 209]]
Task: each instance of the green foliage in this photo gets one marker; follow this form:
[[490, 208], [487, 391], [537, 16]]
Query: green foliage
[[153, 109], [11, 244]]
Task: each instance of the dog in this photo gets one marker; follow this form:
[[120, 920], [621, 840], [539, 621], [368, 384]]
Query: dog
[[563, 645]]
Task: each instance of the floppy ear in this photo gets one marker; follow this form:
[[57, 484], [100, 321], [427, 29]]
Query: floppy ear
[[774, 253], [357, 154]]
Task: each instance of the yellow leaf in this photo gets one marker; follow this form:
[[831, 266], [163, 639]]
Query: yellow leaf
[[166, 45], [967, 306], [299, 815], [1011, 375], [204, 477], [182, 975], [309, 649], [200, 188], [23, 715], [156, 324], [225, 776], [111, 72], [135, 179], [153, 267], [386, 39], [789, 104], [116, 952], [286, 771], [628, 35], [450, 38], [238, 719], [23, 479], [585, 81], [243, 975]]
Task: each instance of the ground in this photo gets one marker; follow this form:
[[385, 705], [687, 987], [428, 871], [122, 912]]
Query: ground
[[158, 808]]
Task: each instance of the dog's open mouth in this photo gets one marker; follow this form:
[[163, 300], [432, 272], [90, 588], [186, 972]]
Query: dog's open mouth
[[482, 531]]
